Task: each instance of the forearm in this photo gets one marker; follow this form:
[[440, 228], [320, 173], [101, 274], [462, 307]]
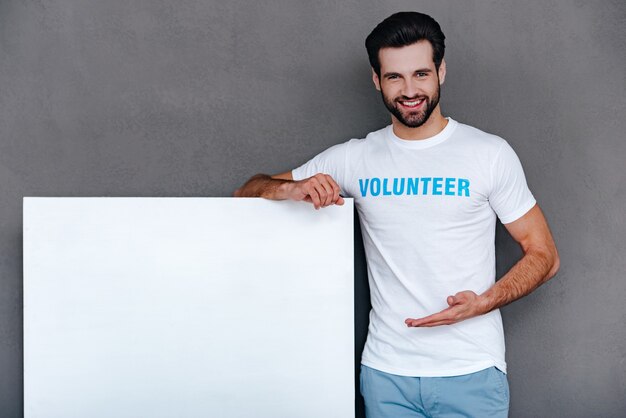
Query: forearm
[[539, 263], [262, 185], [530, 272]]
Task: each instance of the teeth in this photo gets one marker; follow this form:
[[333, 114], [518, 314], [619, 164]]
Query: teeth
[[412, 103]]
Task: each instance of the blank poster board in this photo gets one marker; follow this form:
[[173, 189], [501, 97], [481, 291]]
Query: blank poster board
[[187, 307]]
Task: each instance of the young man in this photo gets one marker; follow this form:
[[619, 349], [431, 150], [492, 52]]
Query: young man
[[428, 190]]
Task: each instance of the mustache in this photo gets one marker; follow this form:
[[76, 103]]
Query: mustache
[[410, 99]]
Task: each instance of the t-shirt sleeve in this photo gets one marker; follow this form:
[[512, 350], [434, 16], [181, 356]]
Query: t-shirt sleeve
[[332, 161], [510, 196]]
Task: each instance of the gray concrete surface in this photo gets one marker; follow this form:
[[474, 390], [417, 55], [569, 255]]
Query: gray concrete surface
[[192, 97]]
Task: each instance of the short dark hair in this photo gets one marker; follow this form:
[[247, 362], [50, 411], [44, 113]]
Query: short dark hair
[[402, 29]]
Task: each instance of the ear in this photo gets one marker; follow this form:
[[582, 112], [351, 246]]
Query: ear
[[442, 71], [376, 80]]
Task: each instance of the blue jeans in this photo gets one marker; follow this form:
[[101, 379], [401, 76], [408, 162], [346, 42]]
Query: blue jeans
[[481, 394]]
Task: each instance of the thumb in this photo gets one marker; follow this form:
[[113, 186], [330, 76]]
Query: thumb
[[452, 300]]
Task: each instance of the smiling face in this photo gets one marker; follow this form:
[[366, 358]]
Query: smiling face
[[409, 82]]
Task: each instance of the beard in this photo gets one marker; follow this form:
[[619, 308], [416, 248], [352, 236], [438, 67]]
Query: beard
[[412, 119]]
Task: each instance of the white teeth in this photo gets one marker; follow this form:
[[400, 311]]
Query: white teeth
[[412, 103]]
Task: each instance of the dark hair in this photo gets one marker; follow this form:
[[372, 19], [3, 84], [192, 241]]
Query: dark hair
[[405, 28]]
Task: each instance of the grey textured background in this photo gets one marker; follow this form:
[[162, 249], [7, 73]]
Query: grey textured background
[[192, 97]]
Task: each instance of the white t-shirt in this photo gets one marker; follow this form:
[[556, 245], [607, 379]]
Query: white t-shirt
[[428, 213]]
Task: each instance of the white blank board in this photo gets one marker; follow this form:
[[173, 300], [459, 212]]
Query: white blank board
[[187, 307]]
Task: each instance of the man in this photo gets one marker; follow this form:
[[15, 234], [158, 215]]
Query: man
[[428, 190]]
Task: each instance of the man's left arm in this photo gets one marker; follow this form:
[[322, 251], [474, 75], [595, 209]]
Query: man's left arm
[[539, 263]]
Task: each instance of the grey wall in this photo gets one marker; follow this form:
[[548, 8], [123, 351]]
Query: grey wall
[[191, 97]]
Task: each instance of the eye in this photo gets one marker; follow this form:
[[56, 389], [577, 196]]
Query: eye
[[392, 77], [421, 74]]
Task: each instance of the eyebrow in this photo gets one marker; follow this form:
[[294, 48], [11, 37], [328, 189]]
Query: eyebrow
[[421, 70]]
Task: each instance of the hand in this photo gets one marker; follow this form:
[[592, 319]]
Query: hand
[[463, 305], [320, 189]]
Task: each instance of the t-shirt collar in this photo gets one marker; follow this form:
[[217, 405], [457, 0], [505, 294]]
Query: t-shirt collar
[[426, 142]]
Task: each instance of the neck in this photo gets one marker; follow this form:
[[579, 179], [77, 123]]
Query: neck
[[435, 124]]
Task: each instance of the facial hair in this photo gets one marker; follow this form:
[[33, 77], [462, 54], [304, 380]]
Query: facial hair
[[415, 119]]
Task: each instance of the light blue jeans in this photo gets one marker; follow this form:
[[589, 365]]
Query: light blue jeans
[[481, 394]]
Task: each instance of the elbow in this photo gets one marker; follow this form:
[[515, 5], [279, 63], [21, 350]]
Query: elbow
[[248, 188], [548, 262], [554, 265]]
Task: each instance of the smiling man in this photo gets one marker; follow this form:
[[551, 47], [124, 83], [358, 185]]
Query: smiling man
[[428, 190]]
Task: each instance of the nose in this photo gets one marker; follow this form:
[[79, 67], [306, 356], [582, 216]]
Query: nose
[[410, 88]]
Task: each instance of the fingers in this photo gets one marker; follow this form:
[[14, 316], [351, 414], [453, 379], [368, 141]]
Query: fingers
[[432, 324], [328, 196], [463, 305], [322, 190], [440, 318], [336, 189], [314, 194]]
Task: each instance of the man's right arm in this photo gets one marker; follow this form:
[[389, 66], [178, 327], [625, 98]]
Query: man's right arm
[[321, 189]]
